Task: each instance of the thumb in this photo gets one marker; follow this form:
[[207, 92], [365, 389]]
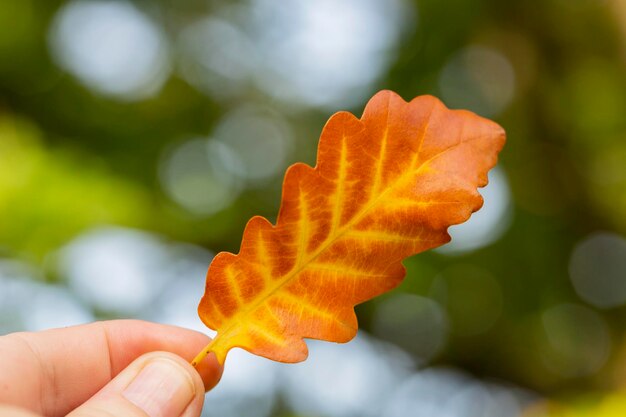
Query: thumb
[[158, 384]]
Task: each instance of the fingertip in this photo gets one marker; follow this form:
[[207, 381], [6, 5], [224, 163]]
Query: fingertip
[[210, 371], [157, 384], [184, 368], [159, 370], [182, 342]]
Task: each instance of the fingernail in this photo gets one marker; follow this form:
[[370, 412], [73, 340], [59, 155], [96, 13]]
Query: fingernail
[[162, 389]]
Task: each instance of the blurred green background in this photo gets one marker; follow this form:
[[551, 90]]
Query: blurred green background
[[137, 138]]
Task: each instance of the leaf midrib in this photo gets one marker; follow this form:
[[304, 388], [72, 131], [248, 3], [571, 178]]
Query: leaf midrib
[[330, 240]]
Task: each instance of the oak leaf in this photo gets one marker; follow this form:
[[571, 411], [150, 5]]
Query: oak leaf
[[385, 187]]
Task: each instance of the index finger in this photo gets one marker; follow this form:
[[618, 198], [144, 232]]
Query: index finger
[[54, 371]]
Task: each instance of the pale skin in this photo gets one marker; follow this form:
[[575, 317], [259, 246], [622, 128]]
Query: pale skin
[[125, 368]]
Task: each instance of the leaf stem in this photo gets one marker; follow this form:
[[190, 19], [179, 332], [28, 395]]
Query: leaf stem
[[203, 353]]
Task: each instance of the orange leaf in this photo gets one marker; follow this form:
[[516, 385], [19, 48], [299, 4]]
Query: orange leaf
[[385, 187]]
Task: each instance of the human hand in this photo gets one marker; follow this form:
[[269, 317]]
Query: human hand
[[124, 368]]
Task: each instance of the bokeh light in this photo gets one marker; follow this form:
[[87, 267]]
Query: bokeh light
[[480, 79], [489, 223], [248, 387], [317, 54], [597, 269], [565, 326], [50, 306], [363, 378], [111, 47], [417, 324], [198, 175], [449, 393], [325, 53], [115, 270], [184, 271], [260, 140], [217, 57]]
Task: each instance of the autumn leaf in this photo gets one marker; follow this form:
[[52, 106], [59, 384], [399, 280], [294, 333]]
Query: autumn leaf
[[385, 187]]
